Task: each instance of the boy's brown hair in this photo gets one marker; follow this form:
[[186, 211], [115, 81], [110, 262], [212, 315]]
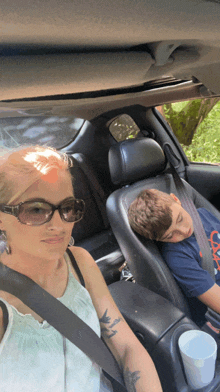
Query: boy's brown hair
[[150, 214]]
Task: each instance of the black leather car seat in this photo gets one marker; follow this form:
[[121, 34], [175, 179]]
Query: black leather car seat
[[135, 165], [93, 232]]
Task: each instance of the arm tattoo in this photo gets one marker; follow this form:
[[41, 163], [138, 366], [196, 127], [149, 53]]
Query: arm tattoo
[[115, 322], [107, 330], [112, 334], [130, 379], [105, 319]]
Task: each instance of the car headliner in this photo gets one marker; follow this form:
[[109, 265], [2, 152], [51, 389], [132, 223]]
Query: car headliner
[[68, 47]]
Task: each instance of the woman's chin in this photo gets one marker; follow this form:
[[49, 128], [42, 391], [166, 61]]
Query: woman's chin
[[53, 252]]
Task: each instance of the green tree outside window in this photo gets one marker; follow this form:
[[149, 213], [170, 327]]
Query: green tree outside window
[[196, 125]]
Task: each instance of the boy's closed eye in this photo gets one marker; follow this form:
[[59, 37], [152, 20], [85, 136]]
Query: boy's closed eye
[[170, 235], [179, 218]]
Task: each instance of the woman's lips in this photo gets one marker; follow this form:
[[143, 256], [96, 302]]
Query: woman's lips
[[54, 240]]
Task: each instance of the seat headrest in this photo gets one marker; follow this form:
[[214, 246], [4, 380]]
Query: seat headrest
[[135, 159]]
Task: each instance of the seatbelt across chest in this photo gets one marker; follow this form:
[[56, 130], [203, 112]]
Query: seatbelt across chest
[[189, 206], [202, 240], [61, 318]]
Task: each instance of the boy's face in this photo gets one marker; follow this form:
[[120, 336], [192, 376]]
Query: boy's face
[[181, 226]]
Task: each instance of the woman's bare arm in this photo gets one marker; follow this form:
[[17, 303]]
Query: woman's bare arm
[[137, 366]]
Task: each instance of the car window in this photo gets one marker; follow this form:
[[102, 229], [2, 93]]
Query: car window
[[53, 131], [123, 127], [196, 125]]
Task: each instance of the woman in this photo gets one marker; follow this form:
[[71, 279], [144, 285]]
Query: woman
[[38, 212]]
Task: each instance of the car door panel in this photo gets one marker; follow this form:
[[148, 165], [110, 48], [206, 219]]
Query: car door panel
[[205, 178]]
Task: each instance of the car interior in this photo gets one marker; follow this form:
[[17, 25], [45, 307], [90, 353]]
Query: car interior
[[97, 64], [108, 175], [133, 165]]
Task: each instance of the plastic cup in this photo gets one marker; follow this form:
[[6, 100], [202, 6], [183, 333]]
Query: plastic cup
[[198, 350]]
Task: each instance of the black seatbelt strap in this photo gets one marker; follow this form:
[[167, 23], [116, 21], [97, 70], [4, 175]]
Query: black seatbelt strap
[[202, 240], [189, 206], [61, 318], [97, 191]]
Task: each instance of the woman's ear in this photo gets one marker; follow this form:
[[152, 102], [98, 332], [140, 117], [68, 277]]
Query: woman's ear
[[175, 198]]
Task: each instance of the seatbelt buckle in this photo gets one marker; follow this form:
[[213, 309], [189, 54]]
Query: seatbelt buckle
[[126, 273], [209, 326], [213, 320]]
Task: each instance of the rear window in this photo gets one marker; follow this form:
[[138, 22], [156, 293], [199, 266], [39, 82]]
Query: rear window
[[53, 131], [123, 127]]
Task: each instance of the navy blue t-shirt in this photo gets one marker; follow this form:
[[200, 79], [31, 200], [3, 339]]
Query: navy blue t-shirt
[[184, 258]]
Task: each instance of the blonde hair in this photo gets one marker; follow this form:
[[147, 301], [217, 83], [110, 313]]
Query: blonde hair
[[21, 167]]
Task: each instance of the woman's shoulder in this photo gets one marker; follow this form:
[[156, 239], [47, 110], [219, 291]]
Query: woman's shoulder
[[86, 264], [82, 256]]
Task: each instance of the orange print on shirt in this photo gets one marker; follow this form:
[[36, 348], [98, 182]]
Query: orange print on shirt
[[215, 248]]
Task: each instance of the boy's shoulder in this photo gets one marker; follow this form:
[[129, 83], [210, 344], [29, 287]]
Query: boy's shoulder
[[183, 246], [204, 212], [210, 223], [209, 220]]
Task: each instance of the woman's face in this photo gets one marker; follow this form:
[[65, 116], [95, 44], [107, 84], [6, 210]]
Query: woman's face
[[49, 240]]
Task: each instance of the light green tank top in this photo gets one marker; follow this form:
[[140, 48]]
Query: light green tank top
[[34, 357]]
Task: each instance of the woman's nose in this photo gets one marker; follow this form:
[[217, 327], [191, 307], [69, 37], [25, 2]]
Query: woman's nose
[[56, 221]]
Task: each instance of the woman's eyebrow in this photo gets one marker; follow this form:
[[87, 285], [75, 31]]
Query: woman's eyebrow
[[47, 201], [35, 199]]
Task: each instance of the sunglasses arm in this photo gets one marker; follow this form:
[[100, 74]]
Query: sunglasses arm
[[12, 210]]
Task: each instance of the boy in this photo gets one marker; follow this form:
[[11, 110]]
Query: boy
[[159, 216]]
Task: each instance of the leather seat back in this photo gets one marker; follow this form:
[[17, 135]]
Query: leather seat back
[[144, 160], [93, 232]]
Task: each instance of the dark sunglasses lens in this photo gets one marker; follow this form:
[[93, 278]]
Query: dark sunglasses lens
[[72, 211], [34, 213]]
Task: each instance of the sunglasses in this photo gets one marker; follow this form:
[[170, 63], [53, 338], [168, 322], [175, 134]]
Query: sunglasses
[[37, 212]]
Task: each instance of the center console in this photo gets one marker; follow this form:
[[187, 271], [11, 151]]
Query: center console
[[158, 324]]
